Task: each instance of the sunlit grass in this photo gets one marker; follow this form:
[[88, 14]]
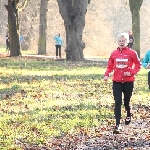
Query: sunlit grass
[[44, 99], [23, 52]]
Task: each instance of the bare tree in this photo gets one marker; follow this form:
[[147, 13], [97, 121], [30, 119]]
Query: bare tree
[[42, 27], [13, 27], [73, 13], [13, 8], [135, 6]]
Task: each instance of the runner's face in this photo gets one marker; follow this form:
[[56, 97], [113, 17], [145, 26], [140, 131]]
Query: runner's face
[[122, 42]]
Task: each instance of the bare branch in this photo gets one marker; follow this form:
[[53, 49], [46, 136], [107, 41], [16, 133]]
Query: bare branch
[[23, 6]]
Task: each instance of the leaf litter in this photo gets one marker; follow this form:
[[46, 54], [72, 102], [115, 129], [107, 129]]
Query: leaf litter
[[135, 136]]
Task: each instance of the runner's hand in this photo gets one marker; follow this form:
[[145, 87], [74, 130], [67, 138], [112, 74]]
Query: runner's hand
[[105, 78]]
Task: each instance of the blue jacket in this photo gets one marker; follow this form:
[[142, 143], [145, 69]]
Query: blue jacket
[[21, 39], [58, 40], [146, 59]]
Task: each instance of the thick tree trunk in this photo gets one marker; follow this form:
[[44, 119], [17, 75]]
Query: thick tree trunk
[[136, 30], [73, 13], [13, 26], [135, 11], [42, 27]]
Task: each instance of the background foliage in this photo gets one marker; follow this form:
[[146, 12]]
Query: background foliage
[[103, 22]]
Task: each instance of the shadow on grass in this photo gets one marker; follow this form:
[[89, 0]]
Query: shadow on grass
[[72, 81], [18, 63], [32, 78]]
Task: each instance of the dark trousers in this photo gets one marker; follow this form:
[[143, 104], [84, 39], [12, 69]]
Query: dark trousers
[[7, 46], [58, 50], [130, 45], [118, 88], [149, 79]]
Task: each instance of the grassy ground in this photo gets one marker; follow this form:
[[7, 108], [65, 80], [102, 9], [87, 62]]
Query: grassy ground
[[23, 52], [41, 100]]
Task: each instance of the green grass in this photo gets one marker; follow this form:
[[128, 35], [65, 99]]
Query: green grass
[[44, 99], [23, 52]]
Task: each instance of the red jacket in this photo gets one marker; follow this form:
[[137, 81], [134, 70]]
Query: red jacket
[[123, 61]]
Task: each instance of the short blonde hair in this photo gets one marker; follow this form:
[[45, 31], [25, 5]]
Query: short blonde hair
[[125, 35]]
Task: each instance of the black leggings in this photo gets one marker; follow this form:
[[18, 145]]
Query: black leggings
[[58, 50], [7, 46], [118, 88]]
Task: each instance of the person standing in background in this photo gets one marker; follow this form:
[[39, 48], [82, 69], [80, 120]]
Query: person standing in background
[[131, 39], [58, 44], [7, 43], [146, 65], [21, 40]]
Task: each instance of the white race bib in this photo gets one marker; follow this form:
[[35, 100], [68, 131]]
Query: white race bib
[[121, 63]]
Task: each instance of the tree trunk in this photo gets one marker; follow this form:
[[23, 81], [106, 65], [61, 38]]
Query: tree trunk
[[135, 11], [13, 26], [73, 13], [42, 27]]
